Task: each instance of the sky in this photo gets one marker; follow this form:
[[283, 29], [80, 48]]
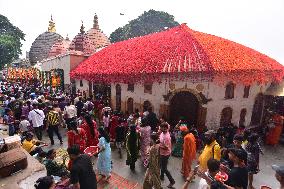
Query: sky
[[258, 24]]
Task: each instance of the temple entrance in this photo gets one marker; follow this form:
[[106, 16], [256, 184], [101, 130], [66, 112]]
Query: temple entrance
[[226, 116], [146, 105], [257, 110], [103, 92], [184, 104], [130, 105]]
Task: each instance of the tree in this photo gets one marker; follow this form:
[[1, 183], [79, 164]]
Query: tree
[[10, 41], [149, 22]]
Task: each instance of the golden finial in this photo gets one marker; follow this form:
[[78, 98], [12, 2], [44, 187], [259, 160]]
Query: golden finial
[[82, 31], [96, 22], [51, 26]]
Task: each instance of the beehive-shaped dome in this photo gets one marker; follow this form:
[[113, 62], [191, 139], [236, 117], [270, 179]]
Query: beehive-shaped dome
[[82, 43], [41, 46], [97, 36], [60, 47]]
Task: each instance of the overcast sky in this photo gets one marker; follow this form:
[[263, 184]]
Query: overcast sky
[[258, 24]]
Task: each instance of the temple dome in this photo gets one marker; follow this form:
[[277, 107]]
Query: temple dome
[[43, 43], [82, 43], [60, 47], [97, 36]]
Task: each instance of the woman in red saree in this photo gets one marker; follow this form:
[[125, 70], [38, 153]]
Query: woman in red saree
[[273, 135], [113, 124], [90, 127], [76, 136]]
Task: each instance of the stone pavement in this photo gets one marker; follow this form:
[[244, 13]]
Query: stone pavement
[[272, 155]]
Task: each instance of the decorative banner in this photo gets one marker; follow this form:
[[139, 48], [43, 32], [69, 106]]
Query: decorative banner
[[23, 74], [55, 77]]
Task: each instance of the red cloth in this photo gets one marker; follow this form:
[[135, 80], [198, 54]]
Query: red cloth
[[113, 125], [273, 135], [91, 140], [78, 139], [189, 153]]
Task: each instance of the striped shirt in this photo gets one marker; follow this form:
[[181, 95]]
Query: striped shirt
[[53, 118]]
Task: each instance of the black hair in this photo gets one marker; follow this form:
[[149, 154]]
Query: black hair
[[164, 125], [104, 134], [144, 121], [44, 182], [90, 123], [35, 105], [238, 137], [49, 152], [253, 138], [217, 185], [155, 137], [213, 165], [247, 133], [73, 126], [42, 154], [74, 150], [106, 113]]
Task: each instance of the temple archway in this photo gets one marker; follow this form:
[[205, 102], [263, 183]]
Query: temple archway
[[146, 105], [226, 116], [130, 105], [184, 104], [257, 110]]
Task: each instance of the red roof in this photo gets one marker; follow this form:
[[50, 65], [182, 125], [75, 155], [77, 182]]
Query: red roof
[[178, 53]]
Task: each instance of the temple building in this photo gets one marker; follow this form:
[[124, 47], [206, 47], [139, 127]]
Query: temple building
[[97, 36], [65, 55], [181, 72], [60, 47], [42, 44]]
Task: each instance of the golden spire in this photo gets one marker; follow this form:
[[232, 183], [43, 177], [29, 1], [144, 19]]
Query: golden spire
[[51, 26], [82, 31], [96, 22]]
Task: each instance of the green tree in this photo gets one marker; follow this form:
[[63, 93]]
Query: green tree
[[149, 22], [10, 41]]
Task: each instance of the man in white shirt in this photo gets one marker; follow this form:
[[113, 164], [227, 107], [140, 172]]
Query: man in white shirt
[[70, 113], [213, 168], [36, 116]]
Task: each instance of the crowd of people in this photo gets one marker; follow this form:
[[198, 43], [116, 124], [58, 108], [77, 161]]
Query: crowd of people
[[229, 157]]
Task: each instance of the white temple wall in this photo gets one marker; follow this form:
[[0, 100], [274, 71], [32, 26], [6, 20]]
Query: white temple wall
[[210, 90], [67, 62], [62, 62], [83, 87]]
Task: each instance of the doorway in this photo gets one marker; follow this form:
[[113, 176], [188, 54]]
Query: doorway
[[256, 116], [130, 105], [226, 116], [184, 104]]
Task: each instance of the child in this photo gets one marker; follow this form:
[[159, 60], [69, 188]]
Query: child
[[120, 135], [31, 145], [10, 121], [24, 126]]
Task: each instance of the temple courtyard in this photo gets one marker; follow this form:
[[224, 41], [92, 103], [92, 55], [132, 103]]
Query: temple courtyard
[[272, 155]]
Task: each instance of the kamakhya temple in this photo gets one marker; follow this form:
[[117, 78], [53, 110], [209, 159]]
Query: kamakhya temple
[[51, 51], [181, 72]]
